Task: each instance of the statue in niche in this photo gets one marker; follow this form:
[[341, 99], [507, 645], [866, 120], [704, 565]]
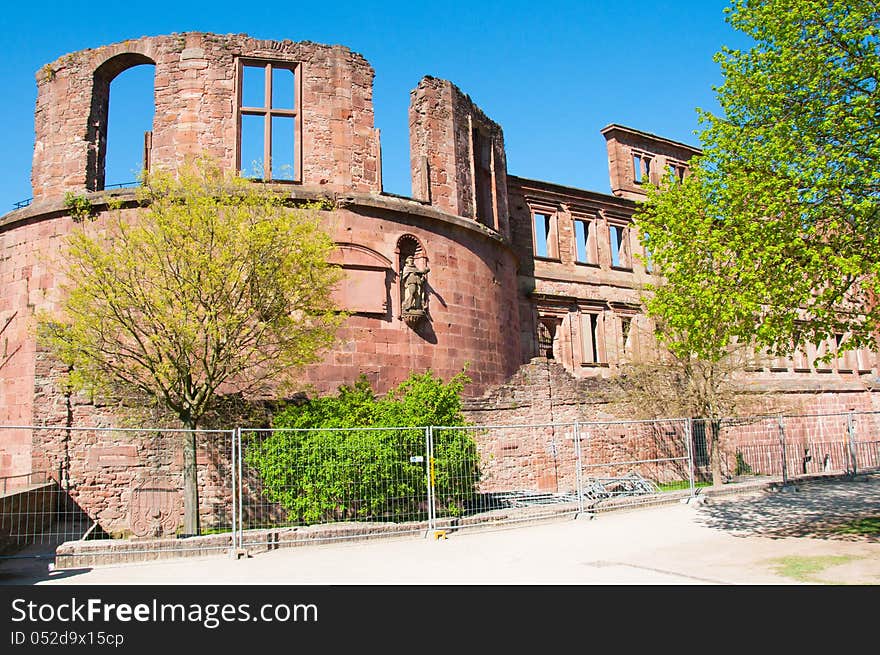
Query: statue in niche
[[414, 292]]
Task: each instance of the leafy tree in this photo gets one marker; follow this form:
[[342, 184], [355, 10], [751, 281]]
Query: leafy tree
[[319, 467], [778, 226], [216, 286], [772, 241]]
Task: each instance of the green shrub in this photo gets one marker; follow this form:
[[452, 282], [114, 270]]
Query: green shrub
[[319, 469]]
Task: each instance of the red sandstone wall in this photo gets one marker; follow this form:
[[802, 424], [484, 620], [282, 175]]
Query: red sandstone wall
[[621, 142], [195, 97], [473, 306], [446, 159]]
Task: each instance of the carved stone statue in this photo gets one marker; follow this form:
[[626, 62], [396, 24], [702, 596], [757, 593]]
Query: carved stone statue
[[414, 292]]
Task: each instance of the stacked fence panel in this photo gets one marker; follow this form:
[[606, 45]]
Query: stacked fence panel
[[516, 473], [633, 462]]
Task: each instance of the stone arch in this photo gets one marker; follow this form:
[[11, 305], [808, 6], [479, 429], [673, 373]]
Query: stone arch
[[103, 75]]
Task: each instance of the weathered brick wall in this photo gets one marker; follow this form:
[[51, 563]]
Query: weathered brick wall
[[447, 131], [195, 102], [542, 401]]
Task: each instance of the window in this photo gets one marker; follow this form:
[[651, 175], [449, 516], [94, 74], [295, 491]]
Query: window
[[269, 121], [592, 338], [546, 335], [641, 168], [620, 250], [625, 329], [544, 228], [585, 241], [674, 172]]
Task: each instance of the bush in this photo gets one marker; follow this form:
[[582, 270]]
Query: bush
[[319, 468]]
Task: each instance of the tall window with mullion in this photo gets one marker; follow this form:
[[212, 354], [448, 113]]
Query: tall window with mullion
[[269, 120]]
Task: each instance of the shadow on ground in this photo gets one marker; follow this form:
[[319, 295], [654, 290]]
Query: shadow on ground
[[815, 509]]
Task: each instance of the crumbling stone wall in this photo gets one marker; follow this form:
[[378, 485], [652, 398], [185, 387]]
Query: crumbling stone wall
[[457, 155], [195, 100]]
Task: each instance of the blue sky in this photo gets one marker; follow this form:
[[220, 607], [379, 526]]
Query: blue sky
[[553, 74]]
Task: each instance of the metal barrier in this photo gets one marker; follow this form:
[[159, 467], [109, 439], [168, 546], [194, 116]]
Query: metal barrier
[[118, 491], [121, 491]]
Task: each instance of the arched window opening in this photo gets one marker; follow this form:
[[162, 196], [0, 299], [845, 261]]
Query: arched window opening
[[121, 121]]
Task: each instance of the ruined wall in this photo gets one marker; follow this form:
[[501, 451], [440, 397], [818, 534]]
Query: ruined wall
[[531, 444], [457, 155], [655, 155], [196, 89]]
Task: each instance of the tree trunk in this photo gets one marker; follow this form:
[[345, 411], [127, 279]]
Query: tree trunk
[[190, 482]]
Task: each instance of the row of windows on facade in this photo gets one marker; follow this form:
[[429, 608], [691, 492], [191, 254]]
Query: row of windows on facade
[[595, 331], [643, 169], [586, 242]]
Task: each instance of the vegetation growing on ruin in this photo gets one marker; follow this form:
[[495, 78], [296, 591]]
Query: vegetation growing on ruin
[[320, 467]]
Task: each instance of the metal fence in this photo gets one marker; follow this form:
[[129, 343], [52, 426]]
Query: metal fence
[[123, 491]]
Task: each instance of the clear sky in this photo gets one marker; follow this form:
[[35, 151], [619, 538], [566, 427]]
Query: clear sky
[[553, 74]]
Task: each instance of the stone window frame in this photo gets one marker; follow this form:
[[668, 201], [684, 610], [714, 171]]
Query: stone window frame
[[593, 352], [641, 165], [268, 112], [552, 235], [590, 220], [625, 239], [675, 169]]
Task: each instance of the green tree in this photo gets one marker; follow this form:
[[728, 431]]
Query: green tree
[[319, 467], [217, 284], [778, 226], [772, 241]]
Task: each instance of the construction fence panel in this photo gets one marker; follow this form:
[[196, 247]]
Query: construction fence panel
[[635, 462], [325, 484], [790, 447], [115, 490], [503, 474]]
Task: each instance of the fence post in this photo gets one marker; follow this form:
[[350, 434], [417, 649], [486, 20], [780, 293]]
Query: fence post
[[781, 422], [689, 438], [851, 436], [429, 475], [577, 476], [240, 505], [233, 435]]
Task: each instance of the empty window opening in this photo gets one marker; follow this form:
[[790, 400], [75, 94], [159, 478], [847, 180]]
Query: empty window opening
[[483, 196], [674, 172], [128, 133], [545, 235], [270, 143], [546, 334], [625, 326], [129, 123], [585, 241], [641, 168], [591, 339], [619, 238]]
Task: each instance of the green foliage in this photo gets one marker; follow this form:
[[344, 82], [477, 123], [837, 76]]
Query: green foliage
[[80, 207], [213, 282], [320, 469], [742, 467], [774, 240]]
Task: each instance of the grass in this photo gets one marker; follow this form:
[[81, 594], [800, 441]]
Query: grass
[[680, 485], [808, 569], [866, 527]]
